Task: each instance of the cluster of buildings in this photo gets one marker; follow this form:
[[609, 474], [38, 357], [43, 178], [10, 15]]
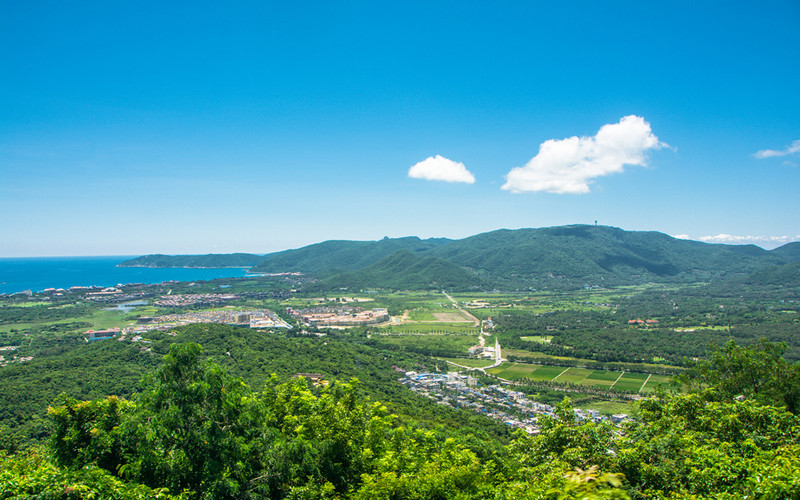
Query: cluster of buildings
[[261, 318], [114, 295], [511, 407], [339, 316], [14, 358], [643, 322], [97, 335], [191, 299]]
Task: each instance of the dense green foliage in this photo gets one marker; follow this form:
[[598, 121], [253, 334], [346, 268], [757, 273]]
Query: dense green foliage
[[757, 372], [87, 371], [83, 371], [197, 432]]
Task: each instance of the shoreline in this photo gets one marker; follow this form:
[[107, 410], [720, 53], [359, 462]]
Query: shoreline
[[185, 267]]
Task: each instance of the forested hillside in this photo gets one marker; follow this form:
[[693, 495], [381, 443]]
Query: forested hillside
[[554, 257], [405, 270], [195, 431], [114, 368], [342, 255], [598, 255], [789, 251]]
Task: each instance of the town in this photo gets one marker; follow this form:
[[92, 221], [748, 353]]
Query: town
[[455, 390]]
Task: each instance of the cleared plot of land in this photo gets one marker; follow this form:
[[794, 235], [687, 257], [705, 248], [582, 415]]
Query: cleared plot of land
[[541, 339], [451, 317]]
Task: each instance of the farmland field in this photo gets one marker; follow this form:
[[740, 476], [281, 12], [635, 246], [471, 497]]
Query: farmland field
[[513, 371], [630, 381], [655, 381], [600, 379], [471, 362]]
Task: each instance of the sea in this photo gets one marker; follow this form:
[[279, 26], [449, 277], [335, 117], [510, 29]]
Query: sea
[[38, 273]]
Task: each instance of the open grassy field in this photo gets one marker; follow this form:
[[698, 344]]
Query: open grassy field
[[539, 339], [431, 328], [537, 357], [30, 304], [98, 319], [471, 362], [515, 371], [440, 315], [655, 381], [600, 379], [630, 381]]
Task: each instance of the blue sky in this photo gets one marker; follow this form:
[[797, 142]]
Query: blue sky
[[168, 127]]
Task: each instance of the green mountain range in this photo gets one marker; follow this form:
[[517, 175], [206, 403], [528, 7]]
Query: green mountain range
[[524, 258]]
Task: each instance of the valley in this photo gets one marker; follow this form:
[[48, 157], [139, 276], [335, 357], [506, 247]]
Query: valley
[[474, 364]]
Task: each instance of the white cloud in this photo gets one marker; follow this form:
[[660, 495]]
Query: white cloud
[[769, 153], [730, 239], [439, 168], [567, 166]]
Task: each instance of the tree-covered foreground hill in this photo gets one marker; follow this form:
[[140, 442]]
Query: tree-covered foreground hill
[[194, 431]]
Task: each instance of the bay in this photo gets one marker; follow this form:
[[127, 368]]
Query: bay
[[39, 273]]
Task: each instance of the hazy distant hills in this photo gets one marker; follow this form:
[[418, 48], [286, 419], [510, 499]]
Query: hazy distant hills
[[522, 258], [210, 260]]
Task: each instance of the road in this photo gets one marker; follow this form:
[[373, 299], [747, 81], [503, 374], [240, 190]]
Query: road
[[476, 323]]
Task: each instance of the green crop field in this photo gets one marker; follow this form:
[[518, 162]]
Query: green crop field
[[630, 381], [627, 381], [514, 371], [602, 378], [655, 381], [471, 362]]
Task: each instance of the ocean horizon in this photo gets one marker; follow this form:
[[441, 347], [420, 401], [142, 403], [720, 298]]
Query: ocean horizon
[[19, 274]]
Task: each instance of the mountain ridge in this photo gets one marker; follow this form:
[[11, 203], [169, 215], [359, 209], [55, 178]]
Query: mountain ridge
[[571, 255]]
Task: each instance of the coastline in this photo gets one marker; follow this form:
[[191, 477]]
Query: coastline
[[184, 267], [37, 274]]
